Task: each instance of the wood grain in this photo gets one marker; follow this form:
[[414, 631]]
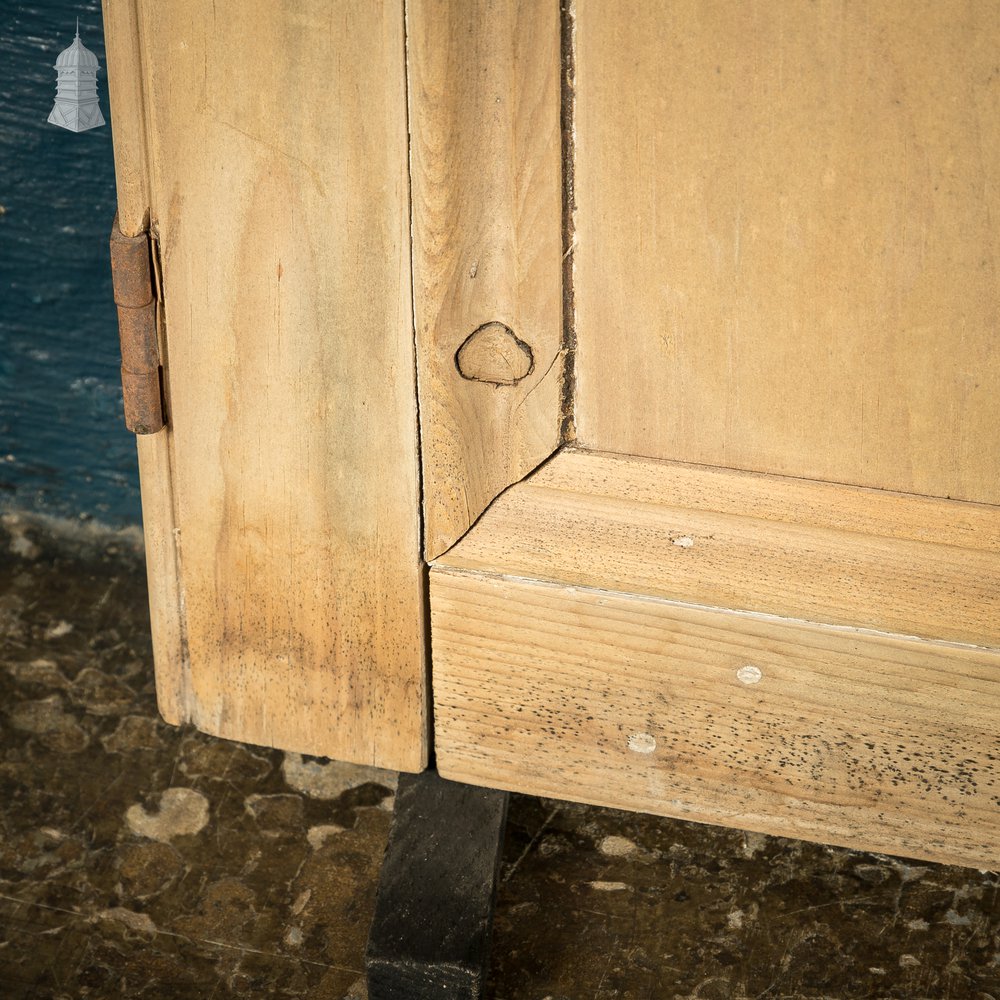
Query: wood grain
[[126, 77], [484, 93], [787, 238], [813, 551], [128, 105], [870, 742], [279, 189], [798, 658]]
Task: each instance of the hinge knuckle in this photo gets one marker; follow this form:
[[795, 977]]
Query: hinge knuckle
[[134, 296]]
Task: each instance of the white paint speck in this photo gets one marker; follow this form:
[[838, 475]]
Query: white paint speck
[[749, 674], [23, 546], [58, 630], [140, 922], [752, 843], [685, 541], [908, 961], [608, 886], [183, 811], [319, 835], [641, 743], [328, 780], [617, 847], [294, 937], [735, 920]]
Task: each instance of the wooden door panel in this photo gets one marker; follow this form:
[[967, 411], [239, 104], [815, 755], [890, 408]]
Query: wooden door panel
[[787, 238], [269, 143]]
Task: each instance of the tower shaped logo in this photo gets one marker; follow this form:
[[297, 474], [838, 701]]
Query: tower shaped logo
[[76, 106]]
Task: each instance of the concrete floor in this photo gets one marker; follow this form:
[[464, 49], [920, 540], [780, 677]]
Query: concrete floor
[[140, 860]]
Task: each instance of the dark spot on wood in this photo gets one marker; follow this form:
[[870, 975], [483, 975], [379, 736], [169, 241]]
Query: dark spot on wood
[[492, 353]]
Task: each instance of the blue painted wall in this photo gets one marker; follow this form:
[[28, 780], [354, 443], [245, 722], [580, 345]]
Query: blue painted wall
[[63, 447]]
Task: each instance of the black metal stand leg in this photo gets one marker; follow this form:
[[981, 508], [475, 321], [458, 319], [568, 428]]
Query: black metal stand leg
[[430, 936]]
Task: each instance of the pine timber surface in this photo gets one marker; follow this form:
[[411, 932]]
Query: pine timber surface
[[787, 238], [274, 138], [613, 631], [484, 93], [132, 178]]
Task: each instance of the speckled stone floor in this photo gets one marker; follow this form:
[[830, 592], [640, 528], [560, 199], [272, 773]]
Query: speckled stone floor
[[139, 860]]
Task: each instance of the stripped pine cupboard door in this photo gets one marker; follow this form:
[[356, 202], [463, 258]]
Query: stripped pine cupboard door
[[265, 146], [734, 264]]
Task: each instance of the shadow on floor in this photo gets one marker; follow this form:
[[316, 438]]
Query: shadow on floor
[[141, 860]]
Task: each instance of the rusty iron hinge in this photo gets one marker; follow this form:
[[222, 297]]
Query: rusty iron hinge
[[135, 296]]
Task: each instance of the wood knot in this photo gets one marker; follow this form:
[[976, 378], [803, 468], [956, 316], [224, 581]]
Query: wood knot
[[492, 353]]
